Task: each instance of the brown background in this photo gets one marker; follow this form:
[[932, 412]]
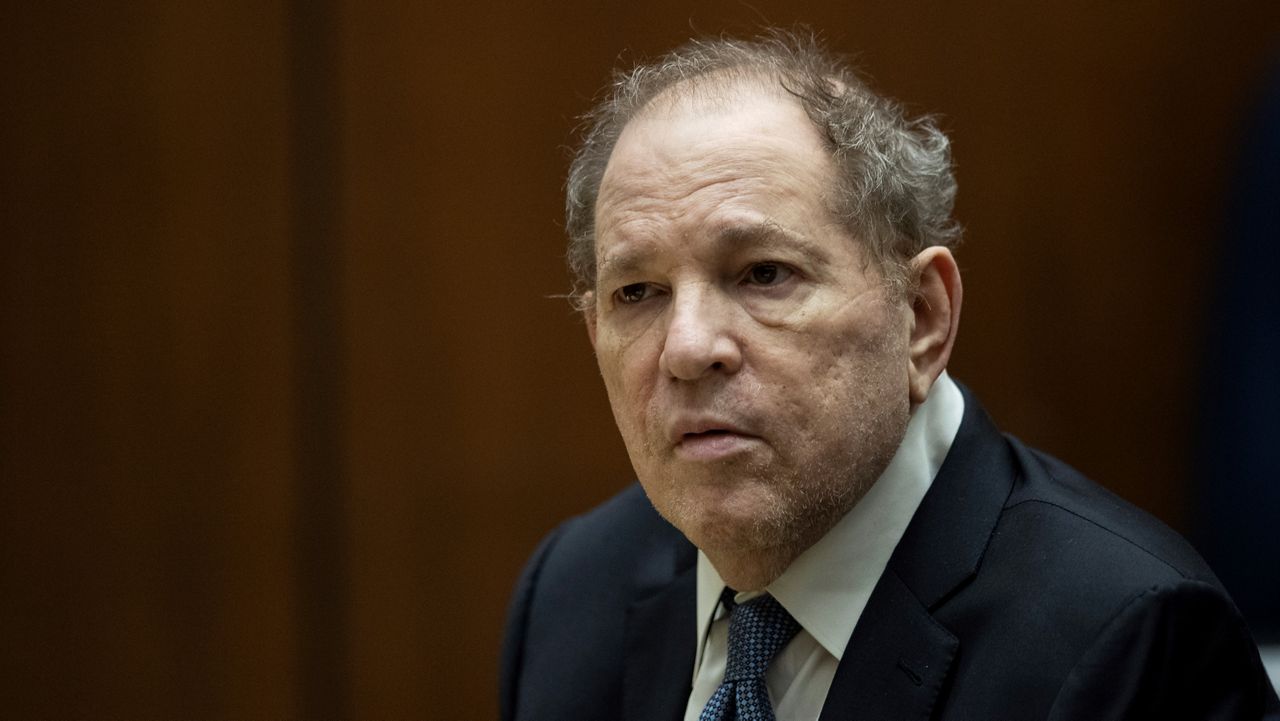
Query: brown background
[[286, 399]]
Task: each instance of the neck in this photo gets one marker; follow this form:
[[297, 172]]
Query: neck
[[751, 571]]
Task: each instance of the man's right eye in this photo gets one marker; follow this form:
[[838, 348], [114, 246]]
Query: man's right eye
[[632, 293]]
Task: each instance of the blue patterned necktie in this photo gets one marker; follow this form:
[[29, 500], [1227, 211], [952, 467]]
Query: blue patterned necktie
[[758, 629]]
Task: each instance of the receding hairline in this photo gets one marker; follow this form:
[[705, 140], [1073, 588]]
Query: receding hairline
[[717, 88], [728, 93]]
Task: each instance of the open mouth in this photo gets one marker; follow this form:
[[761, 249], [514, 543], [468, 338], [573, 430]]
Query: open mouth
[[708, 433]]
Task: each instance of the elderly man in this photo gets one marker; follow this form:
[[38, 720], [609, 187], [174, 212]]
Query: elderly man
[[830, 527]]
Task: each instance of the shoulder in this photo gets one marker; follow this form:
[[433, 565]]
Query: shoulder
[[1178, 650], [1083, 602], [1095, 534], [588, 562], [1054, 502], [567, 618], [600, 549], [1069, 555]]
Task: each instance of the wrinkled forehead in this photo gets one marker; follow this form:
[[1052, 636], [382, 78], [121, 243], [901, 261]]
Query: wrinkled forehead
[[711, 163], [712, 127], [749, 117]]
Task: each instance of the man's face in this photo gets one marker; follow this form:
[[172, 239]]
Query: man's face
[[755, 362]]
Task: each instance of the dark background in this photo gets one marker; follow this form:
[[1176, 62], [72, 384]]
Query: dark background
[[285, 395]]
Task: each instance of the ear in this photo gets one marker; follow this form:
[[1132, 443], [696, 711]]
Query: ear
[[589, 315], [936, 317]]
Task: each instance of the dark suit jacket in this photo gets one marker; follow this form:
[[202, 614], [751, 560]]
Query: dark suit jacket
[[1020, 590]]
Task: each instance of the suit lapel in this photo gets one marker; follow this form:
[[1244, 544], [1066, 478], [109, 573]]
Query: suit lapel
[[658, 670], [899, 657], [896, 661]]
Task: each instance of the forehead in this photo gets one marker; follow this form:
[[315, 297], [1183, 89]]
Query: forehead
[[746, 119], [706, 151]]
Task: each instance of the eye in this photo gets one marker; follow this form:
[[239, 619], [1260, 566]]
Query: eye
[[767, 274], [632, 293]]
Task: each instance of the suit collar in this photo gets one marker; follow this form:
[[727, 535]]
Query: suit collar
[[896, 663], [899, 657], [944, 543]]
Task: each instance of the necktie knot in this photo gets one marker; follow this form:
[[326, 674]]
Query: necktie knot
[[758, 629]]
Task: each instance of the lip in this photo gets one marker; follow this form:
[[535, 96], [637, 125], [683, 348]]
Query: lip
[[709, 438], [713, 447]]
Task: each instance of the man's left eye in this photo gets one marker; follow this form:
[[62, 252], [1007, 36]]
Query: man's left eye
[[767, 274]]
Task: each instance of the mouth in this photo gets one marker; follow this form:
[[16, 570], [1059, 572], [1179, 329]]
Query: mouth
[[710, 432], [709, 442]]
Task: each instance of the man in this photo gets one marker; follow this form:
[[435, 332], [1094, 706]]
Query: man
[[830, 527]]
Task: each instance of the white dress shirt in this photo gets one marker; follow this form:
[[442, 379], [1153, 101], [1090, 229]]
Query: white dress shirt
[[826, 588]]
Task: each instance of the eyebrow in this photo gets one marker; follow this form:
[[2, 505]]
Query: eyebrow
[[763, 235], [768, 234]]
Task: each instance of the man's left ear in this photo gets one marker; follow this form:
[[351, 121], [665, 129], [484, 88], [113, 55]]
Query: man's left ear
[[936, 317]]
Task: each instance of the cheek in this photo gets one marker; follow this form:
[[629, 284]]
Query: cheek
[[833, 374], [811, 359], [614, 355], [622, 346], [628, 371], [866, 370]]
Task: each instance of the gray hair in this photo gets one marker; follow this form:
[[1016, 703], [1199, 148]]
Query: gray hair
[[895, 185]]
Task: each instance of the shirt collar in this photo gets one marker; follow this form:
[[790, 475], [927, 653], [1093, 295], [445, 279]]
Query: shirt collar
[[826, 588]]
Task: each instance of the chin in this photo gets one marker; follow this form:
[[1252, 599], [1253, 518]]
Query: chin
[[731, 519]]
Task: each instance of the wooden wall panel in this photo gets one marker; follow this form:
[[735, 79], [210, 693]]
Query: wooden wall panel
[[467, 378], [146, 500]]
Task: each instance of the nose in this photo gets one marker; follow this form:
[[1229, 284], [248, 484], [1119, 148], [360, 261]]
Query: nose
[[699, 337]]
